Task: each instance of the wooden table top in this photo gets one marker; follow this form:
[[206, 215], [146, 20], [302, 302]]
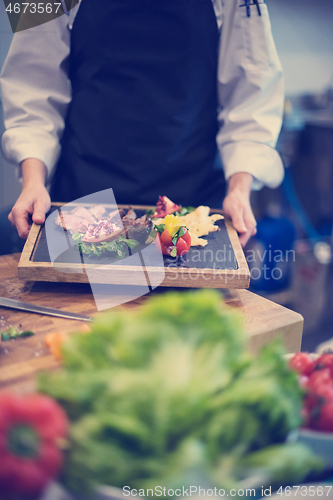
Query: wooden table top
[[21, 359]]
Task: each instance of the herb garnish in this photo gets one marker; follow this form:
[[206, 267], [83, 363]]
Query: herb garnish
[[117, 246]]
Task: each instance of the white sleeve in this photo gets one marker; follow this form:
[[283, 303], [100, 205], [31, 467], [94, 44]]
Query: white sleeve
[[251, 94], [36, 92]]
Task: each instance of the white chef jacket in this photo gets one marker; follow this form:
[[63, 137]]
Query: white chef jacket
[[36, 92]]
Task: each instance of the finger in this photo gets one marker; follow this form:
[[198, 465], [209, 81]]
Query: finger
[[244, 238], [21, 221], [23, 228], [40, 208], [238, 221], [11, 218], [251, 224], [249, 218], [38, 217]]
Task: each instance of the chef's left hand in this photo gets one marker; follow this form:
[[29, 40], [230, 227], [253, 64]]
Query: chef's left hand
[[237, 206]]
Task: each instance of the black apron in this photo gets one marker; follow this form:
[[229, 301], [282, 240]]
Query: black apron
[[143, 115]]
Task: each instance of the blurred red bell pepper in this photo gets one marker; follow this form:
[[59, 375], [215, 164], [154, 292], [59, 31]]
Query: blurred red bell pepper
[[32, 428]]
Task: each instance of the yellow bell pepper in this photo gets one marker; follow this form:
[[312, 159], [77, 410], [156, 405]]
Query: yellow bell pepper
[[173, 223]]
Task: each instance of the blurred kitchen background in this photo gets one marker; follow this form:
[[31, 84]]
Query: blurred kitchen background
[[291, 256]]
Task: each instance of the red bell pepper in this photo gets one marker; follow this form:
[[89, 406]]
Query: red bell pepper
[[32, 428]]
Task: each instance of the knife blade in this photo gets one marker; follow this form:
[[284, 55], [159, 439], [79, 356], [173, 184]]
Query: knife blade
[[50, 311]]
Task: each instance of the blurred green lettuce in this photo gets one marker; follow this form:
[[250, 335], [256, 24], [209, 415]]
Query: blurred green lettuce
[[167, 393]]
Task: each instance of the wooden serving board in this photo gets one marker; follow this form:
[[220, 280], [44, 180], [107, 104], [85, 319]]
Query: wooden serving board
[[220, 264]]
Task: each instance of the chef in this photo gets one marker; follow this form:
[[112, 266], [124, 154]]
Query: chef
[[138, 96]]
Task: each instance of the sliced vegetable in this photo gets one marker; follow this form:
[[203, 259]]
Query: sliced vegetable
[[182, 247], [54, 342], [166, 238], [185, 235], [13, 333]]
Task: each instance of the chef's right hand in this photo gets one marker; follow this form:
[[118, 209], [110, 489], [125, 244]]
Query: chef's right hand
[[34, 200]]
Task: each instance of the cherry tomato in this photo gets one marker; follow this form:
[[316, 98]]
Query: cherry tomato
[[166, 238], [161, 247], [319, 378], [182, 246], [187, 238], [324, 421], [303, 381], [319, 395], [325, 361], [302, 363], [162, 243]]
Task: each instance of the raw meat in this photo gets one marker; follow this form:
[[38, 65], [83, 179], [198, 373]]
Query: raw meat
[[98, 211]]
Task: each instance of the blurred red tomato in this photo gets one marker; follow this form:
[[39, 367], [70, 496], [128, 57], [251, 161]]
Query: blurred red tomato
[[302, 363], [324, 420], [325, 361], [318, 396], [318, 378]]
